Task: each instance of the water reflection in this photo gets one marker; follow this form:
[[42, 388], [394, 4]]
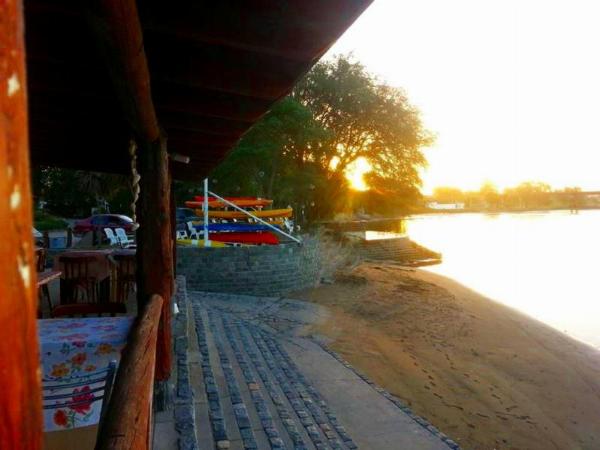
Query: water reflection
[[544, 264]]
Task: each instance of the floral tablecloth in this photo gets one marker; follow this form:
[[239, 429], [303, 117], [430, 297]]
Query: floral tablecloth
[[74, 348]]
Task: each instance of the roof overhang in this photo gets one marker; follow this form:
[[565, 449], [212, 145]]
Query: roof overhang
[[214, 69]]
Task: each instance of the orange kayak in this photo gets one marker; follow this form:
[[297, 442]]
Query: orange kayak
[[242, 202], [263, 214]]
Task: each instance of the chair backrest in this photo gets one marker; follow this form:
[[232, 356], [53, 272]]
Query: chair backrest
[[192, 229], [125, 265], [40, 259], [75, 267], [126, 275], [76, 279], [63, 394], [111, 236], [121, 233], [122, 237]]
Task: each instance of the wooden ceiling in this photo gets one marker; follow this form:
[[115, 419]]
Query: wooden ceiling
[[215, 68]]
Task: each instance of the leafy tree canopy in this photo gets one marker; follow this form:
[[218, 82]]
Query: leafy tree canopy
[[299, 152]]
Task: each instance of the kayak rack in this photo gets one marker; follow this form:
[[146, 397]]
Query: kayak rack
[[207, 242]]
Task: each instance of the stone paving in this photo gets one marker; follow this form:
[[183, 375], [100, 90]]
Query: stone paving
[[243, 383]]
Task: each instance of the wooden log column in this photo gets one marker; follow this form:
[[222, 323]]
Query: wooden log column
[[174, 229], [154, 243], [117, 29], [20, 391]]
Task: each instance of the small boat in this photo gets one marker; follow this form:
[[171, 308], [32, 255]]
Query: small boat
[[263, 237], [239, 227], [242, 202], [265, 213], [199, 243]]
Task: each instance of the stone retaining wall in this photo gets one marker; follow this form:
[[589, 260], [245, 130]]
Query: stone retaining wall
[[253, 270], [399, 249]]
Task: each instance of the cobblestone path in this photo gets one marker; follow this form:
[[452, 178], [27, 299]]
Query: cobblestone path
[[249, 377]]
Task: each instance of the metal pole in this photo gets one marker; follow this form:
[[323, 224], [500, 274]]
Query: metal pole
[[253, 216], [205, 207]]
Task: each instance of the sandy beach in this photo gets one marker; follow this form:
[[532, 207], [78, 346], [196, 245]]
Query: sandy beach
[[485, 374]]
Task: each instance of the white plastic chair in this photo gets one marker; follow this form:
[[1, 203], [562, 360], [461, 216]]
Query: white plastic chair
[[181, 234], [194, 234], [111, 236], [124, 241]]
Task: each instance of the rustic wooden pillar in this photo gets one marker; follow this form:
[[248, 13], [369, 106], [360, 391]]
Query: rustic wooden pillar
[[20, 392], [154, 243], [174, 228]]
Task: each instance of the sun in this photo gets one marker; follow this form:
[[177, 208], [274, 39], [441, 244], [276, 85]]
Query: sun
[[355, 174]]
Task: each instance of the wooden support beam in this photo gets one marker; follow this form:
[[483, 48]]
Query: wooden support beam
[[154, 243], [173, 206], [118, 32], [129, 414], [20, 390]]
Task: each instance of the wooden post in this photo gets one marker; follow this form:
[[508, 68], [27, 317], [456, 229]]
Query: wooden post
[[173, 205], [69, 237], [20, 391], [154, 243], [128, 424]]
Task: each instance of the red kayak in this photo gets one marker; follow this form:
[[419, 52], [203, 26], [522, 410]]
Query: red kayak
[[264, 237]]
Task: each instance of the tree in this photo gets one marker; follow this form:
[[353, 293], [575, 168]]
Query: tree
[[530, 194], [447, 194], [73, 193], [299, 152], [489, 193], [366, 118]]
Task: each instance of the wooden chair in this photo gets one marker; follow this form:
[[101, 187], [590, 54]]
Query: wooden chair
[[40, 259], [126, 277], [44, 277], [77, 285]]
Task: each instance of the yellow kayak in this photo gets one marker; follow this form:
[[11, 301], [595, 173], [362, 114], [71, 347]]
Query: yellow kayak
[[265, 213], [199, 243]]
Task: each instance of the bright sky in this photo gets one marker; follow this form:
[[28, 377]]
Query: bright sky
[[511, 88]]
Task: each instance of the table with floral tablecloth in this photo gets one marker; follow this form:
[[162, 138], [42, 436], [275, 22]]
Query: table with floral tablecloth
[[74, 348]]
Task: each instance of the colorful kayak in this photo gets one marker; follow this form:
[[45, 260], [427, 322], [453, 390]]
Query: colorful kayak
[[242, 202], [278, 222], [265, 213], [265, 237], [199, 243], [242, 227]]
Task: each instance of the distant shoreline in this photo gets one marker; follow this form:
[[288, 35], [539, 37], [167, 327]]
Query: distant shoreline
[[337, 224], [496, 211]]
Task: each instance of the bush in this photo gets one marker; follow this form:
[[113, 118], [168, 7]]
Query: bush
[[46, 222]]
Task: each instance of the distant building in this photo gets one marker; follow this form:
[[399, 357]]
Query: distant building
[[436, 205]]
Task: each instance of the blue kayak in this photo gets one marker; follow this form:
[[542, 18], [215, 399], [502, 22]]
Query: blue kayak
[[233, 227]]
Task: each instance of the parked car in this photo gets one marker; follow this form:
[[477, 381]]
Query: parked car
[[100, 221]]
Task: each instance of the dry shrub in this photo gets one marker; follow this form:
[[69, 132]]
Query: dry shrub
[[336, 256]]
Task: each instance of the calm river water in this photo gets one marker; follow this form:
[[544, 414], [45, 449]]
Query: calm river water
[[546, 264]]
